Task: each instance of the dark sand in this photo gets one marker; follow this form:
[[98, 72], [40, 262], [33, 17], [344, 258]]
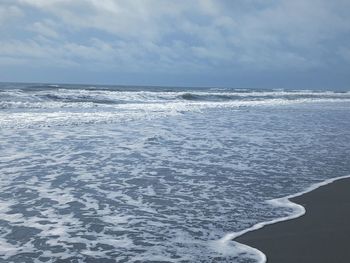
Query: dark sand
[[322, 235]]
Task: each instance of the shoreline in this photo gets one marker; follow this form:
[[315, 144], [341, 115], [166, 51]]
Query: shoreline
[[313, 212]]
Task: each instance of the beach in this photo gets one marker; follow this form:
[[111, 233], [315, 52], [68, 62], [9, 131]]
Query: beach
[[321, 235]]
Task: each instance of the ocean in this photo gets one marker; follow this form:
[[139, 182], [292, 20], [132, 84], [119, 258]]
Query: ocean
[[157, 174]]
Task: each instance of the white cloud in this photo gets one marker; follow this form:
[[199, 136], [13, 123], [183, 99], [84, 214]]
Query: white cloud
[[196, 35], [147, 19]]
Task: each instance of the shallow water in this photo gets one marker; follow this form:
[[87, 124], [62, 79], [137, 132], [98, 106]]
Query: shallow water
[[136, 174]]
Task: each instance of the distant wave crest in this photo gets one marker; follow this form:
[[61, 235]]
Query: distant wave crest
[[209, 97], [42, 103], [82, 98]]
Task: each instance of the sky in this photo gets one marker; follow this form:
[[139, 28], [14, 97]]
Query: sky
[[233, 43]]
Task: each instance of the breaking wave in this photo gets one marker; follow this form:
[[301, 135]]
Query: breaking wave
[[42, 96]]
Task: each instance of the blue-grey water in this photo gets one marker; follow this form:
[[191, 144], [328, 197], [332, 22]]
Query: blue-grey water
[[145, 174]]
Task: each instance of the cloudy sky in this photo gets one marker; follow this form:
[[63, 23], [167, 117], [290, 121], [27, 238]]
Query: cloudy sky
[[235, 43]]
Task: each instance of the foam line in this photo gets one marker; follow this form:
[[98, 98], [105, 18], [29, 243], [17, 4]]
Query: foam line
[[299, 210]]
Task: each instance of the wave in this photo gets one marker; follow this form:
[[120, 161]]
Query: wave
[[208, 97], [52, 96], [298, 211], [262, 95], [82, 98]]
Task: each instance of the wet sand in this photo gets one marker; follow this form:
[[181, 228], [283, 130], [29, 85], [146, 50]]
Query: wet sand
[[322, 235]]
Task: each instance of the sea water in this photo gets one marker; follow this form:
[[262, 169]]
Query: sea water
[[157, 174]]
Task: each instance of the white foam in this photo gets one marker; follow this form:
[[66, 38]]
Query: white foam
[[68, 107], [112, 179], [79, 115], [298, 210]]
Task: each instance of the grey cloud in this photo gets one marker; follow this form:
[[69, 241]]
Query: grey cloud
[[179, 36], [8, 12], [44, 28]]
